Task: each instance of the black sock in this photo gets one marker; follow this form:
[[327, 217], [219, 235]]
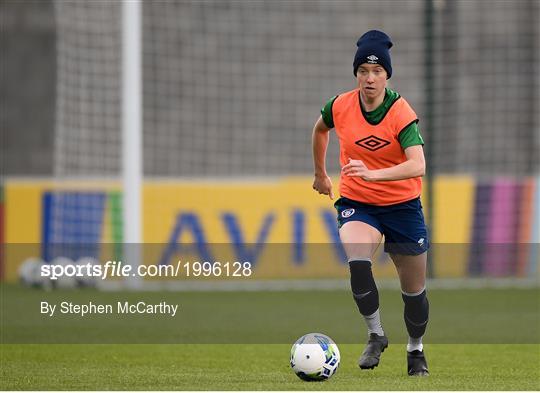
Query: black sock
[[416, 313], [363, 287]]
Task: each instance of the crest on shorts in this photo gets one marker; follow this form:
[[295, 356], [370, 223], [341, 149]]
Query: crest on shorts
[[347, 213]]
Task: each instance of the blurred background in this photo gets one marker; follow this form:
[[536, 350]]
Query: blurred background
[[230, 91]]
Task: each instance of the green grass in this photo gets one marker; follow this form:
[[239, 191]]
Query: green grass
[[258, 367], [485, 339], [483, 316]]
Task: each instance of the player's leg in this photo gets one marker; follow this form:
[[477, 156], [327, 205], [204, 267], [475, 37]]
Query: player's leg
[[407, 242], [411, 270], [412, 276], [360, 241]]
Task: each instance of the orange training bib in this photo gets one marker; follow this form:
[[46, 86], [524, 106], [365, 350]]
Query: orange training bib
[[377, 146]]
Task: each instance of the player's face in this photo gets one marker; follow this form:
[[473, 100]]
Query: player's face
[[371, 79]]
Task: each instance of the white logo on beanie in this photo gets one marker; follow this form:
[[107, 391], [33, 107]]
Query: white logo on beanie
[[372, 59]]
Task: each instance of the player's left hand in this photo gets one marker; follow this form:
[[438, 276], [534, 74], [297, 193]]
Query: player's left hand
[[357, 168]]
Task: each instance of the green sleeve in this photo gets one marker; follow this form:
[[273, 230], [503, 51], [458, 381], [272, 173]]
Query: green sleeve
[[326, 113], [410, 136]]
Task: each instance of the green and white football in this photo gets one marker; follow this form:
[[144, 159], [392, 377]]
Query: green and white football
[[315, 357]]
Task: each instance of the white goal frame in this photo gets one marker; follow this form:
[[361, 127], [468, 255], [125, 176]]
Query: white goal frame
[[131, 133]]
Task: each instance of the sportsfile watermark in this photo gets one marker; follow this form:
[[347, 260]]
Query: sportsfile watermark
[[119, 269], [251, 293]]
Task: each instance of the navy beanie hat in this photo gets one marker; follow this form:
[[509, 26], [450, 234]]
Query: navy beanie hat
[[373, 48]]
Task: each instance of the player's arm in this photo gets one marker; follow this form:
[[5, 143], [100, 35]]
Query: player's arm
[[320, 139], [414, 166]]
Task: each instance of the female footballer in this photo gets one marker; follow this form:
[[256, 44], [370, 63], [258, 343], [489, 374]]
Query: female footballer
[[382, 160]]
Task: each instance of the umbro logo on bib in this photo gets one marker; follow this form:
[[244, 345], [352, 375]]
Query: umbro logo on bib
[[372, 143]]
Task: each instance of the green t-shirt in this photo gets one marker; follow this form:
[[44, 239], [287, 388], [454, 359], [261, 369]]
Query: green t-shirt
[[410, 136]]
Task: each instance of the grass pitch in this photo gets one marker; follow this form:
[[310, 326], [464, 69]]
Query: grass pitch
[[481, 316], [485, 339], [259, 367]]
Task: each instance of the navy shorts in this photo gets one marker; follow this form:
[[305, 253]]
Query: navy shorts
[[401, 224]]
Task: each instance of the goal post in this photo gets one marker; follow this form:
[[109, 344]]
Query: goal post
[[132, 132]]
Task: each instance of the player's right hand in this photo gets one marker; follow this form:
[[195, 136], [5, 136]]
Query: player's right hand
[[323, 185]]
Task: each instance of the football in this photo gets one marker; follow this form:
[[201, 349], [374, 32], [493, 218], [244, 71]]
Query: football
[[87, 280], [29, 272], [65, 281], [315, 357]]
